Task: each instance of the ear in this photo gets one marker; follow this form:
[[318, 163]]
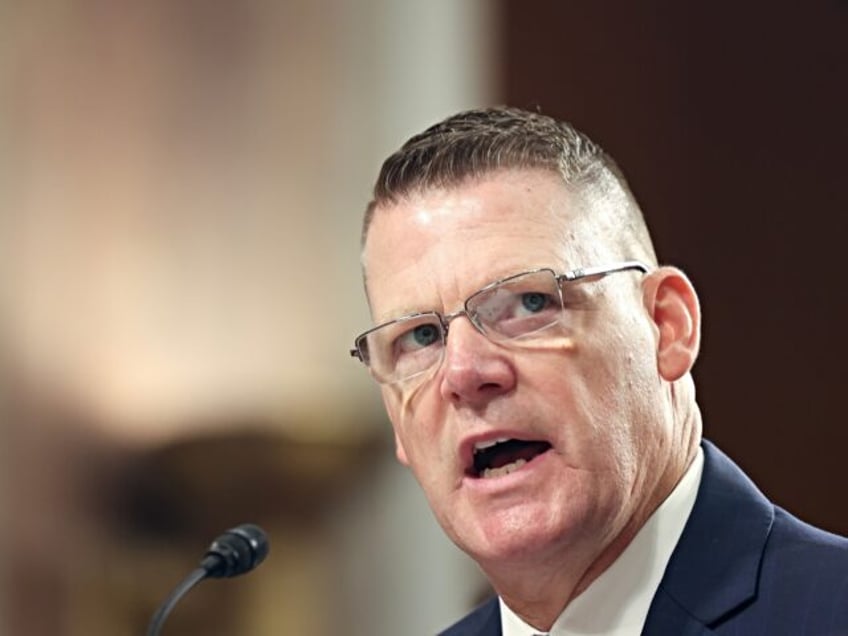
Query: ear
[[673, 306]]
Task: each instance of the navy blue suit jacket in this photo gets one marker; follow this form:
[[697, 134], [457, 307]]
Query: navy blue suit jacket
[[742, 567]]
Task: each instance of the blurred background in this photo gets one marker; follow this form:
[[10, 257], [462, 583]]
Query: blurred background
[[181, 188]]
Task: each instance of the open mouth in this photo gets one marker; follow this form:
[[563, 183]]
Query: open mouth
[[503, 456]]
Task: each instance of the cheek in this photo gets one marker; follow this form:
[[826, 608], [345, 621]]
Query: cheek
[[633, 391], [604, 389], [413, 422]]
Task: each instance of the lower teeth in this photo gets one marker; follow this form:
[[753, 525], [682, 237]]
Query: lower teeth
[[503, 470]]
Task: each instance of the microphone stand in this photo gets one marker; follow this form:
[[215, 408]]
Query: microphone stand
[[174, 597]]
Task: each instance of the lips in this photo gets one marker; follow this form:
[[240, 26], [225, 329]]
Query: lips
[[501, 456]]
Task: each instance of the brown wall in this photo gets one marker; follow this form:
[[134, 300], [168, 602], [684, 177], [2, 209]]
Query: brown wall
[[730, 121]]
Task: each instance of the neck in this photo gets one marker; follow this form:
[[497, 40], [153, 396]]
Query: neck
[[537, 594]]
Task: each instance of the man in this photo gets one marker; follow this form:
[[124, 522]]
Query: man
[[535, 363]]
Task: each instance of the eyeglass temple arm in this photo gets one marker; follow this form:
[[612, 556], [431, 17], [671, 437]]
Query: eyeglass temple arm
[[604, 270]]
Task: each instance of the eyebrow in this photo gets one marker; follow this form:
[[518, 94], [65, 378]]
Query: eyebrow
[[407, 310], [397, 316]]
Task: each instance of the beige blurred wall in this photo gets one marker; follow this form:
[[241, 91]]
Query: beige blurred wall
[[176, 210], [181, 186]]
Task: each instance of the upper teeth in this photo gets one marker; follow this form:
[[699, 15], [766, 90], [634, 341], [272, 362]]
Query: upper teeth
[[489, 443]]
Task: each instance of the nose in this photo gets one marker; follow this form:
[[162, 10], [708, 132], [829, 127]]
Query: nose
[[474, 370]]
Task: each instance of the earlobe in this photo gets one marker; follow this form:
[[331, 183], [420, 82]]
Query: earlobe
[[673, 305]]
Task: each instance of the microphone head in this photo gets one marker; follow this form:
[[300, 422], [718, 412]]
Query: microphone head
[[235, 552]]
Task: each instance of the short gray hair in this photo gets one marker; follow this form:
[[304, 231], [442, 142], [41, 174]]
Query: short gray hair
[[476, 142]]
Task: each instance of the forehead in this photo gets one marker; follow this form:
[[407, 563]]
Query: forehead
[[435, 247]]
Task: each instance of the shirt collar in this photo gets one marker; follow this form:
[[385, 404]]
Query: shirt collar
[[617, 602]]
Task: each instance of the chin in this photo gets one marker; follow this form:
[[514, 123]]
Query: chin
[[517, 539]]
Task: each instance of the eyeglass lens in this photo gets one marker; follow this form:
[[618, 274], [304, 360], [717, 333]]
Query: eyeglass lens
[[513, 308]]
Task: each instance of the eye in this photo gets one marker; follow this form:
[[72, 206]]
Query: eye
[[419, 337], [534, 302], [524, 307]]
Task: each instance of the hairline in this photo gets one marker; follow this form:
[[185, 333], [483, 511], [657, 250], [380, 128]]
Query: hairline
[[578, 187]]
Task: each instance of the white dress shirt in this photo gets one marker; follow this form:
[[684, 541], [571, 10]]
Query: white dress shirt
[[617, 602]]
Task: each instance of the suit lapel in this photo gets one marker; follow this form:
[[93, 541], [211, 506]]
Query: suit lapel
[[715, 566], [667, 617], [492, 626], [483, 621]]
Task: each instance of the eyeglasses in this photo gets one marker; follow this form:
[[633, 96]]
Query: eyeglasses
[[513, 308]]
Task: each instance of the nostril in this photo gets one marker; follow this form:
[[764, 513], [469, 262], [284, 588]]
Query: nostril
[[490, 386], [478, 384]]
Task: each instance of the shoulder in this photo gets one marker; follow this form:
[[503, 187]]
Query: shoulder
[[798, 554], [485, 620], [760, 569], [803, 583]]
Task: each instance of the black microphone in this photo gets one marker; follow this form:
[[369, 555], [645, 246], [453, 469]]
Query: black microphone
[[235, 552]]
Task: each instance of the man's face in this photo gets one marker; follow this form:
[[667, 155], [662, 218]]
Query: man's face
[[589, 397]]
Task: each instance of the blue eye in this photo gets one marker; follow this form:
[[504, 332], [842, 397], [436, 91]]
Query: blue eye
[[425, 335], [534, 302], [419, 337]]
